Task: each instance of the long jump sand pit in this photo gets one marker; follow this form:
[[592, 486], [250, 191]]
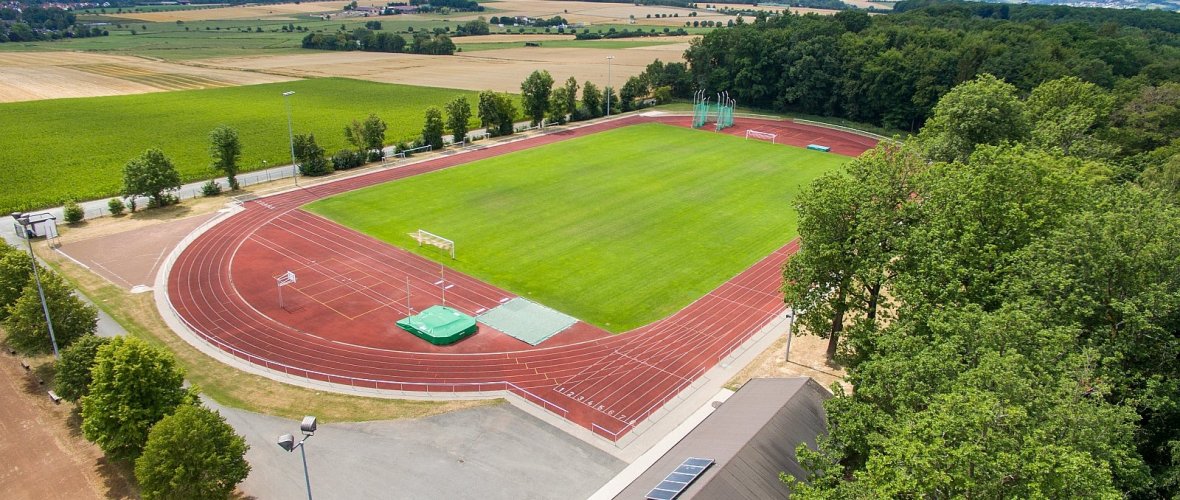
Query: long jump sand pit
[[500, 70], [29, 76]]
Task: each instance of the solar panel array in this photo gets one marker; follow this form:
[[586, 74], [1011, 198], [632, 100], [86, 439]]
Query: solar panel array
[[679, 479]]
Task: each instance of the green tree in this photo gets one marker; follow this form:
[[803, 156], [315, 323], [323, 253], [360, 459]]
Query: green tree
[[72, 380], [534, 95], [1151, 119], [432, 129], [226, 149], [496, 113], [458, 117], [310, 156], [152, 175], [592, 99], [134, 386], [367, 136], [571, 95], [192, 453], [25, 324], [635, 88], [985, 110], [16, 271], [1067, 111], [558, 103]]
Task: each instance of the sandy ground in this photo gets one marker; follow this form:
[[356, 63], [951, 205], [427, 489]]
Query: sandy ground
[[27, 76], [44, 457], [240, 12], [499, 70], [806, 359]]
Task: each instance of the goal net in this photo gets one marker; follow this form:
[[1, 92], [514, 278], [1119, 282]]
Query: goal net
[[766, 136], [425, 237]]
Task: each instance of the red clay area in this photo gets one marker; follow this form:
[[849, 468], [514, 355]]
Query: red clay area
[[337, 321]]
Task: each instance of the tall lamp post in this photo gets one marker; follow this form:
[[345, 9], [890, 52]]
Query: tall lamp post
[[608, 87], [287, 442], [291, 134], [26, 232]]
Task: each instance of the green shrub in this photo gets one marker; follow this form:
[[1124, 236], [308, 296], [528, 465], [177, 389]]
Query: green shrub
[[116, 206], [211, 188], [73, 212], [346, 159]]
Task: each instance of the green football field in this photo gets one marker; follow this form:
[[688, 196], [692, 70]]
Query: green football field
[[619, 228]]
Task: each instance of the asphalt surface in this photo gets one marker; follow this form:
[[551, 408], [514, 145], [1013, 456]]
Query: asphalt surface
[[483, 453]]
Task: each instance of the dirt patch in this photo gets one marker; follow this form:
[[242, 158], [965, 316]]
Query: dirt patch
[[44, 453], [499, 70], [243, 12], [27, 76], [807, 359]]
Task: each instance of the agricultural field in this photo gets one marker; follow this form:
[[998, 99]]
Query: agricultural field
[[76, 148], [28, 76], [619, 228]]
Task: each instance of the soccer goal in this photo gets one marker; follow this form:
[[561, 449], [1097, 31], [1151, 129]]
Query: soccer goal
[[425, 237], [766, 136]]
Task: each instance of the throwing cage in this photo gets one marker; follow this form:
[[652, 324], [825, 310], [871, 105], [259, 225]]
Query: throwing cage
[[700, 109], [725, 107]]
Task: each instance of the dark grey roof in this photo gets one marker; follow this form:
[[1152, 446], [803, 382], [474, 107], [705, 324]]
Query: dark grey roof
[[752, 437]]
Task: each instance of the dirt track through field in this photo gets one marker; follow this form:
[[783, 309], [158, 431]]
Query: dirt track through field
[[339, 328]]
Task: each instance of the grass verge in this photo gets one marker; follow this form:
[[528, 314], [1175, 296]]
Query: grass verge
[[619, 228]]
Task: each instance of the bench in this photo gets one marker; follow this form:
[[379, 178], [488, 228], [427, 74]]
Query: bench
[[54, 397]]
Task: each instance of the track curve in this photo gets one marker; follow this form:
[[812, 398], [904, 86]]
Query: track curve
[[220, 286]]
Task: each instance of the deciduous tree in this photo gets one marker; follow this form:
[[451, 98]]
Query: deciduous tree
[[226, 149], [432, 129], [134, 386], [152, 175], [73, 377], [310, 156], [534, 95], [192, 453], [25, 324], [16, 271], [985, 110], [458, 117]]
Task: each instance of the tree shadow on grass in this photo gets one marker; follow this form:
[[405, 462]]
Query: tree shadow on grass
[[169, 212]]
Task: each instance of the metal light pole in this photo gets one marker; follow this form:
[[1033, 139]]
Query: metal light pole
[[790, 333], [23, 220], [608, 87], [291, 134], [287, 442]]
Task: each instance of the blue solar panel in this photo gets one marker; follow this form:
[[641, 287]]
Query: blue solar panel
[[679, 479]]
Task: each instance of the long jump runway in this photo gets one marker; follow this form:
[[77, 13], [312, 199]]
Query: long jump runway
[[337, 321]]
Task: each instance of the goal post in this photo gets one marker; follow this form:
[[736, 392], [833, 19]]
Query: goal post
[[757, 134], [425, 237]]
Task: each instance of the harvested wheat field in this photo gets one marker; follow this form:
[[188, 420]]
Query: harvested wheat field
[[499, 70], [29, 76], [240, 12], [596, 13]]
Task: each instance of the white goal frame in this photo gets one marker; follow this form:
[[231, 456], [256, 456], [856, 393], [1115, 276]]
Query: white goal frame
[[425, 237], [757, 134]]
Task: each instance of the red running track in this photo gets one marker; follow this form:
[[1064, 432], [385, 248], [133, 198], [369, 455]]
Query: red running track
[[338, 323]]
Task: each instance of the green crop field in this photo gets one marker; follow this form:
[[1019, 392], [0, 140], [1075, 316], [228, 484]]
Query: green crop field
[[76, 148], [619, 228]]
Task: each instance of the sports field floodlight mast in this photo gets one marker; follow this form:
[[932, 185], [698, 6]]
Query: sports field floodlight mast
[[287, 442], [608, 89], [26, 231], [291, 134]]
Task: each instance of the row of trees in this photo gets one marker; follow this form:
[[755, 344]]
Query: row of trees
[[1006, 301], [133, 402], [370, 41], [891, 70], [33, 23]]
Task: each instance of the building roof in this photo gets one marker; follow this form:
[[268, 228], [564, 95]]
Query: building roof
[[752, 437]]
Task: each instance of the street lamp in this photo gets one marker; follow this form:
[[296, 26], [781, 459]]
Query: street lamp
[[27, 231], [608, 88], [287, 442], [291, 135], [790, 333]]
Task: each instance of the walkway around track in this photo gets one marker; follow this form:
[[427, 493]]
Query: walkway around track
[[606, 383]]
